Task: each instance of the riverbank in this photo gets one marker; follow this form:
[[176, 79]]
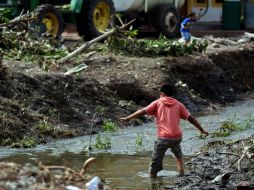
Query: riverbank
[[38, 106], [226, 166]]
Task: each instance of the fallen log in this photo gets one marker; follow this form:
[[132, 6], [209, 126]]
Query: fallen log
[[88, 44]]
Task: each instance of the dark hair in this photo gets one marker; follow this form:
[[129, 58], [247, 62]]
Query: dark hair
[[167, 90], [192, 14]]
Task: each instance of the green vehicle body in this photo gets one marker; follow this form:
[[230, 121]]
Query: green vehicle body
[[78, 12], [12, 9]]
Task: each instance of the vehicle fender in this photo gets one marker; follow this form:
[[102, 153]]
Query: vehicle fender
[[76, 6]]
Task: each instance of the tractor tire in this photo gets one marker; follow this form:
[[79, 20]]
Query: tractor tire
[[168, 20], [96, 16], [49, 21]]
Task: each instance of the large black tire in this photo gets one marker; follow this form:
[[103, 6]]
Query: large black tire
[[49, 21], [168, 20], [95, 18]]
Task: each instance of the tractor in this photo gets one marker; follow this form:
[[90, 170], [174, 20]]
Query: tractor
[[93, 17]]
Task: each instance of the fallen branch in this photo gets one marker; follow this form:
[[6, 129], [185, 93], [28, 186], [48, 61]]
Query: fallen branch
[[229, 153], [61, 168], [245, 152], [240, 158], [88, 44], [76, 69], [74, 172], [86, 164], [17, 21]]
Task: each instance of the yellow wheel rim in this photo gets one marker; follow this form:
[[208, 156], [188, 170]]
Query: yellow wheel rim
[[101, 16], [51, 23]]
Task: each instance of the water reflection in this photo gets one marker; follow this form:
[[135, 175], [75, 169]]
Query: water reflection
[[118, 171]]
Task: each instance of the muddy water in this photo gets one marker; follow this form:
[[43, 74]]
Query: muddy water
[[125, 165]]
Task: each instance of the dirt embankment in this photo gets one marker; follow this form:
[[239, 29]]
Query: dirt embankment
[[45, 105], [224, 166]]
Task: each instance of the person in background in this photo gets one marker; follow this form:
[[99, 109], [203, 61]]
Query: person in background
[[186, 25], [168, 112]]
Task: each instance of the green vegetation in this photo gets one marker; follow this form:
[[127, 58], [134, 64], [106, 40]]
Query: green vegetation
[[110, 126], [26, 142], [155, 47], [21, 46], [228, 127], [20, 41], [102, 142], [4, 14], [139, 139], [44, 126]]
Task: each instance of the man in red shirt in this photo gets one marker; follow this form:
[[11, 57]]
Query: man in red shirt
[[168, 112]]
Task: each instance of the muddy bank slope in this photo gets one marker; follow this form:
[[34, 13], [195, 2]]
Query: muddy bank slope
[[224, 166], [37, 106]]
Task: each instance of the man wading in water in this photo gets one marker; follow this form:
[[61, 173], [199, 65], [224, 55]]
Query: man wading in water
[[168, 112]]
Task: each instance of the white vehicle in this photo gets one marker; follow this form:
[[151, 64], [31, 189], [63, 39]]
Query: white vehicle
[[94, 16], [162, 14]]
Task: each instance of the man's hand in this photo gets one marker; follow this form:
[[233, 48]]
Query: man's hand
[[132, 116], [205, 133], [124, 119]]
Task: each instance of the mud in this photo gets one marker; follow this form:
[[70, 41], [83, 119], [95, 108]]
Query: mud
[[65, 104], [218, 169]]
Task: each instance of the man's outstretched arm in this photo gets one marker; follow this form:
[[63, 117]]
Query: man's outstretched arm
[[194, 122], [136, 114]]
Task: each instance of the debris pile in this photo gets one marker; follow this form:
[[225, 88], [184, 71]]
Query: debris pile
[[16, 176], [20, 40]]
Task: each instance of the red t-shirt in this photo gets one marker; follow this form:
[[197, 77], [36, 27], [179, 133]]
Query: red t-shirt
[[168, 112]]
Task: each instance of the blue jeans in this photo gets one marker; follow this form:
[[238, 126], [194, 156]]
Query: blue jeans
[[186, 36]]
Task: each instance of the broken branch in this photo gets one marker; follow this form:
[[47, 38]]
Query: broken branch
[[245, 152], [86, 164], [88, 44]]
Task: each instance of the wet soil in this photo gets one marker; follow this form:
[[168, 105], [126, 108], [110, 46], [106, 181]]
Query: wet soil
[[218, 168]]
